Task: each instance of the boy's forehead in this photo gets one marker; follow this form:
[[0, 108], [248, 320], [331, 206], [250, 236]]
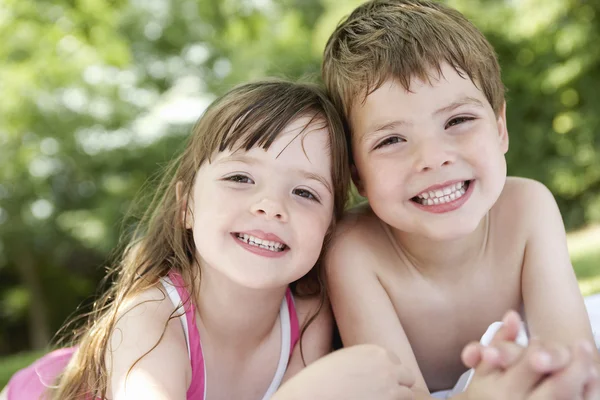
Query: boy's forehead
[[441, 90]]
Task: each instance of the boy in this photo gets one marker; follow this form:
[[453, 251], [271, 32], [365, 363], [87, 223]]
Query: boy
[[448, 243]]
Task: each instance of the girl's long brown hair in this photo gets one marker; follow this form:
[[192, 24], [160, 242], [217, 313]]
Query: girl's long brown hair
[[249, 115]]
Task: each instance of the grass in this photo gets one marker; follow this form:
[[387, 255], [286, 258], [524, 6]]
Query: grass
[[12, 363], [584, 247]]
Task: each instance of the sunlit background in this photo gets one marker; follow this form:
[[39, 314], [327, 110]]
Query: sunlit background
[[96, 95]]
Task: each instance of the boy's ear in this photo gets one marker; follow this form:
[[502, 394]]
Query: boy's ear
[[356, 179], [182, 201], [502, 129]]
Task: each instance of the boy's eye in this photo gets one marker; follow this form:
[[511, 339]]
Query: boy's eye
[[458, 121], [238, 178], [388, 141], [306, 194]]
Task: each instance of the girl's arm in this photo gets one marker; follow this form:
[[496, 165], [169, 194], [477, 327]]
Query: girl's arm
[[137, 369], [554, 307]]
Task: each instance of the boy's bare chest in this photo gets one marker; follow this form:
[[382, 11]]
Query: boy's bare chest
[[440, 318]]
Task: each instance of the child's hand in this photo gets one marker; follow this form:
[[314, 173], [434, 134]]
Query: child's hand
[[503, 352], [577, 380], [353, 373]]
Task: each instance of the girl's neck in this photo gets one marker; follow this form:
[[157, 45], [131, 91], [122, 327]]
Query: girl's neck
[[234, 315], [437, 258]]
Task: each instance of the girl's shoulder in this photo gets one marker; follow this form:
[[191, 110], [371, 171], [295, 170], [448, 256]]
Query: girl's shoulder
[[147, 307], [148, 341], [316, 327], [310, 306]]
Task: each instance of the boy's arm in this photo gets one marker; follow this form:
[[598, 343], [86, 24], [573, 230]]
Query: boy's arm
[[362, 308], [554, 307]]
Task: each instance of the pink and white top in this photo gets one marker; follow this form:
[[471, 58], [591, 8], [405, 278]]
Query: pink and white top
[[290, 333], [32, 382]]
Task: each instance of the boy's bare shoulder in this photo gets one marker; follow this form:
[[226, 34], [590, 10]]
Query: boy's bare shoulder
[[522, 193], [359, 224], [523, 201], [360, 240]]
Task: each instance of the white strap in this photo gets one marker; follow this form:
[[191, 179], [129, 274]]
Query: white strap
[[176, 300], [284, 357], [284, 318]]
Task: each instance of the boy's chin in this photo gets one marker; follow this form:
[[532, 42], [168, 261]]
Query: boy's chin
[[451, 232]]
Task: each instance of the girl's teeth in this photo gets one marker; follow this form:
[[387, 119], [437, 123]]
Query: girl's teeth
[[265, 244]]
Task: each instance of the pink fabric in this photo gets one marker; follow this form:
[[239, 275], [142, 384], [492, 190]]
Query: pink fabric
[[196, 389], [294, 325], [32, 383]]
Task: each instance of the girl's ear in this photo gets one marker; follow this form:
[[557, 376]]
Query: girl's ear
[[182, 200]]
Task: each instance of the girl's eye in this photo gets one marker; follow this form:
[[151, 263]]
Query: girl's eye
[[458, 121], [239, 179], [389, 141], [306, 194]]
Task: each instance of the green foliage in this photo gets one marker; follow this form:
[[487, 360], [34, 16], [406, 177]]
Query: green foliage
[[97, 96], [10, 365]]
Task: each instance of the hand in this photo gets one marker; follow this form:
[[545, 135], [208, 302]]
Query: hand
[[503, 352], [578, 380], [353, 373]]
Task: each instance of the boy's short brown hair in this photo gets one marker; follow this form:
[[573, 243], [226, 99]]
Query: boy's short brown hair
[[402, 39]]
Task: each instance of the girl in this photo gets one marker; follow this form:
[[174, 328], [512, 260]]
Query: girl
[[213, 292]]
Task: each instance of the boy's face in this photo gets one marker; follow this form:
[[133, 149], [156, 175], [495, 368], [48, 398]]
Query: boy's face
[[430, 161]]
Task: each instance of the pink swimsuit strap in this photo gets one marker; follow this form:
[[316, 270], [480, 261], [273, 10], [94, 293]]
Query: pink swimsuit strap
[[198, 384]]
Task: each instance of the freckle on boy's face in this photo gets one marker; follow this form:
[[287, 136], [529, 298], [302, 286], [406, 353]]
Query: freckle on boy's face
[[430, 161]]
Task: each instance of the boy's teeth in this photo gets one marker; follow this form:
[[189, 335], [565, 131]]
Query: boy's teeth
[[443, 195], [265, 244]]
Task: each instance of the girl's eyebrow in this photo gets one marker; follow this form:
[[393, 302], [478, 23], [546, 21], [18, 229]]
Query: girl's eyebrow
[[253, 161], [315, 177], [236, 157]]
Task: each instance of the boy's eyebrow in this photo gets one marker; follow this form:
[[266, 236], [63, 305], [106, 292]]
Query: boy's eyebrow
[[383, 127], [252, 161], [464, 101], [467, 100]]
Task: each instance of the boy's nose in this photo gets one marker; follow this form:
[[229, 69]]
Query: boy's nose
[[432, 154], [270, 209]]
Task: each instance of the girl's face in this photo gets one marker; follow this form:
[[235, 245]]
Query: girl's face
[[259, 217]]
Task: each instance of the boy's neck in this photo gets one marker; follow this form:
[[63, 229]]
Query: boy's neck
[[437, 258], [236, 316]]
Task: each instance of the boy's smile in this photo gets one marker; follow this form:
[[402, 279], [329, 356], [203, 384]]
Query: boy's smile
[[431, 159], [445, 197]]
